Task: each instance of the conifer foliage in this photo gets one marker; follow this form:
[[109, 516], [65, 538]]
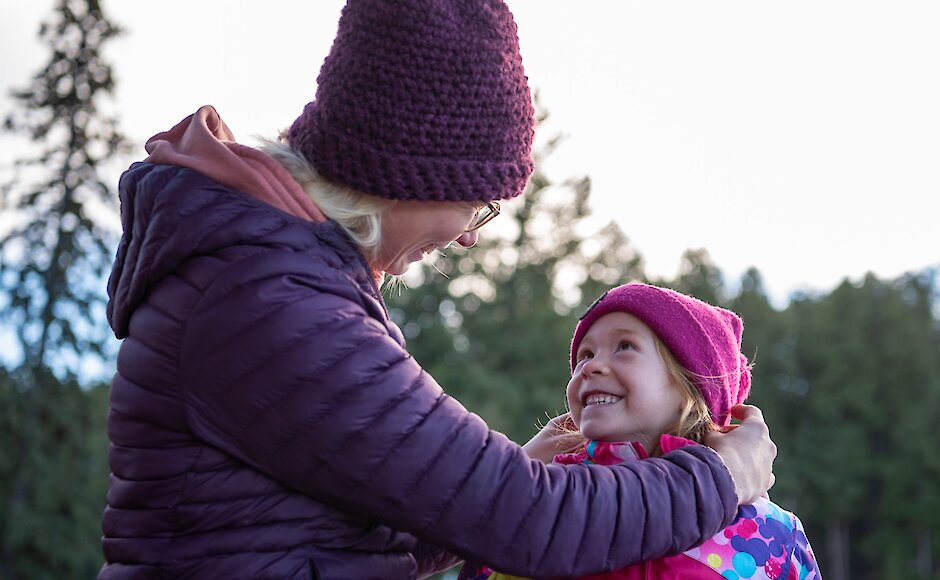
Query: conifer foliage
[[55, 254]]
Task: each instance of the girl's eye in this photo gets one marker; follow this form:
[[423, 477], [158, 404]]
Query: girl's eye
[[584, 355], [624, 345]]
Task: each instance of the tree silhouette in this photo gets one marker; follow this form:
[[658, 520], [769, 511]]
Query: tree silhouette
[[53, 259], [55, 254]]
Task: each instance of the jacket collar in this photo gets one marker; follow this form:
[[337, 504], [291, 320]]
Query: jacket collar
[[618, 452], [170, 214]]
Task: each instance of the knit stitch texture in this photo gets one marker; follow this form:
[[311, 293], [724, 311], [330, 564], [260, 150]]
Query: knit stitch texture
[[423, 100]]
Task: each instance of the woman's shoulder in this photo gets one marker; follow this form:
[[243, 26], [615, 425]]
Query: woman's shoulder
[[183, 206], [181, 224]]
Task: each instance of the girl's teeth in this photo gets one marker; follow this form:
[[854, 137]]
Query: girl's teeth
[[601, 400]]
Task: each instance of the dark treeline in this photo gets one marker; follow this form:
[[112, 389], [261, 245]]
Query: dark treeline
[[849, 381]]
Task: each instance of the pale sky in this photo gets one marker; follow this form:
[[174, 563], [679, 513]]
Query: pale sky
[[802, 138]]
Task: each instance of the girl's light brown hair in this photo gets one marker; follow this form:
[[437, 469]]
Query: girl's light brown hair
[[695, 420]]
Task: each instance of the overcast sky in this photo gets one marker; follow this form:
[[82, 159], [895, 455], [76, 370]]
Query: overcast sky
[[802, 138]]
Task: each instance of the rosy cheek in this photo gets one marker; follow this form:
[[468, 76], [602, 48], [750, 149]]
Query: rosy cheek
[[571, 394]]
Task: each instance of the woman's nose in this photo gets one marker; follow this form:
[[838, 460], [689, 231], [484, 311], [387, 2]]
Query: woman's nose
[[467, 239]]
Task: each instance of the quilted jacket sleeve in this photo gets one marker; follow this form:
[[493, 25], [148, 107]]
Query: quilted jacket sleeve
[[284, 369]]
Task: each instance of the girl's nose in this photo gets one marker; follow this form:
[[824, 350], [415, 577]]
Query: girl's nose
[[593, 366], [467, 239]]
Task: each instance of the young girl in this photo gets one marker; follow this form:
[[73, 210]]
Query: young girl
[[653, 370]]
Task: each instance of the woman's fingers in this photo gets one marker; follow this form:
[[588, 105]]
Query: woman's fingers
[[748, 452]]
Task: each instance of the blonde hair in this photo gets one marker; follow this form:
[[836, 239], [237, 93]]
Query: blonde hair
[[359, 214], [694, 422]]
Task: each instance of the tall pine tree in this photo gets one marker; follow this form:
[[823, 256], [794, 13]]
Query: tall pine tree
[[53, 260], [54, 256]]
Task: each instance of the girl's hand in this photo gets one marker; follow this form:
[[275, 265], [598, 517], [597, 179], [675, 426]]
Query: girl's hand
[[747, 451], [555, 437]]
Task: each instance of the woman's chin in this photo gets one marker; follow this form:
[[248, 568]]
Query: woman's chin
[[397, 269], [401, 265]]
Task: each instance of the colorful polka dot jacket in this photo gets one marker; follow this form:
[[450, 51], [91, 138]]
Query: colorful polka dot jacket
[[764, 542]]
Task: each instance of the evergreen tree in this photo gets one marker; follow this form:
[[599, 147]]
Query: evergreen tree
[[53, 528], [868, 354], [699, 277], [904, 507], [53, 260]]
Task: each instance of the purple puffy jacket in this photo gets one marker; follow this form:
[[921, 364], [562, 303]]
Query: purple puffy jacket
[[267, 422]]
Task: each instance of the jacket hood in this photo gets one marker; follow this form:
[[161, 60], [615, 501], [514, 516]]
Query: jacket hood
[[171, 213]]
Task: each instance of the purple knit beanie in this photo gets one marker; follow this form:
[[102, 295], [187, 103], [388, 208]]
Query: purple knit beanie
[[422, 100], [705, 339]]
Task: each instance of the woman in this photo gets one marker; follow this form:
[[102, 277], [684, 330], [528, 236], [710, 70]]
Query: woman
[[266, 419]]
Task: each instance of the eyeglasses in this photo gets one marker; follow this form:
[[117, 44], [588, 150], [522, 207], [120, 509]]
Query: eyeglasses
[[484, 216]]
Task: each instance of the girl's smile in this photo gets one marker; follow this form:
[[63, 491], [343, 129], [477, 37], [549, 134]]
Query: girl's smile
[[600, 399]]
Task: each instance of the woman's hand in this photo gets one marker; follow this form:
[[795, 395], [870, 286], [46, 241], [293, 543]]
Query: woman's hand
[[747, 451], [556, 437]]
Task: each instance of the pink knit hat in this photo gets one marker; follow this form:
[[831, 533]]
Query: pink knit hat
[[705, 339]]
